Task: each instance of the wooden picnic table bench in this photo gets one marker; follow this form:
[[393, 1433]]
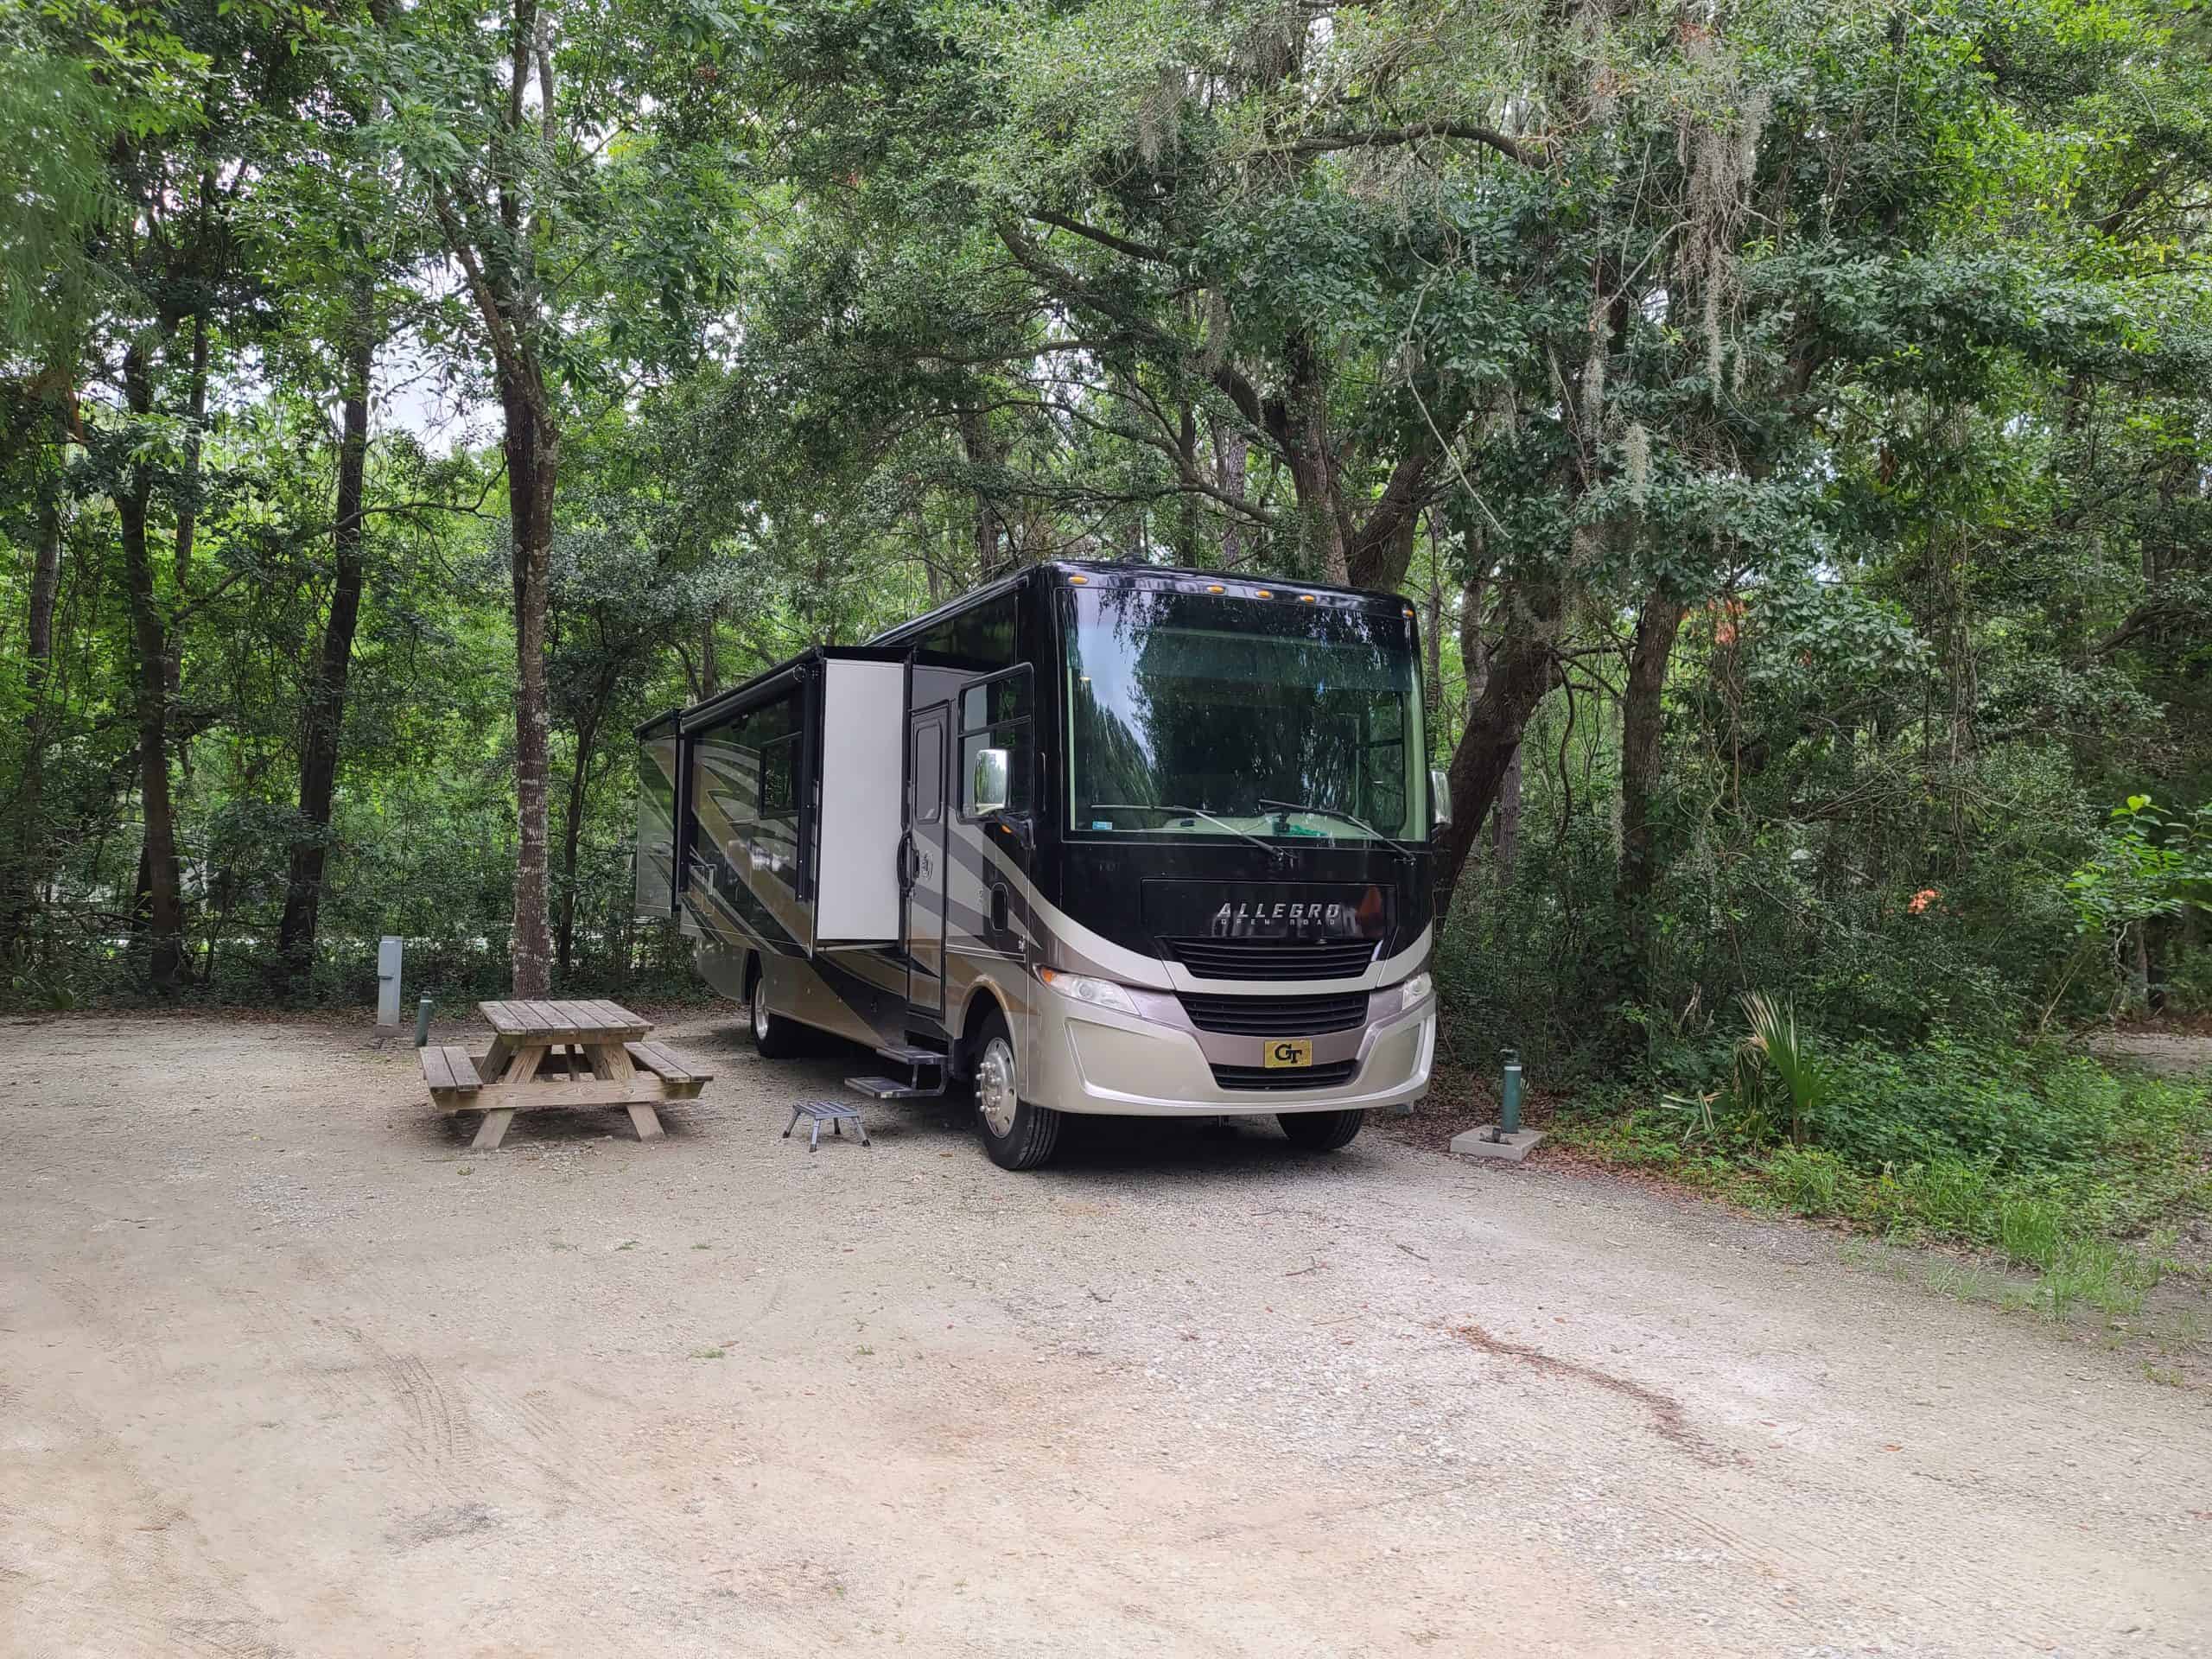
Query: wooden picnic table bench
[[554, 1054]]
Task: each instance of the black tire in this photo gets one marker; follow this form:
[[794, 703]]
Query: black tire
[[1030, 1133], [774, 1038], [1320, 1131]]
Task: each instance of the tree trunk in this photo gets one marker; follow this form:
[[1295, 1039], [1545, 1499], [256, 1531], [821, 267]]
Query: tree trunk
[[18, 880], [1302, 431], [1522, 670], [1641, 722], [1433, 642], [1475, 655], [1230, 453], [710, 659], [532, 447], [572, 830], [1379, 554], [981, 450], [188, 500], [46, 586], [162, 876], [1505, 822], [326, 711]]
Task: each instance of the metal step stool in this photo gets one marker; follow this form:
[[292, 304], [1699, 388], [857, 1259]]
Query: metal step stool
[[832, 1112]]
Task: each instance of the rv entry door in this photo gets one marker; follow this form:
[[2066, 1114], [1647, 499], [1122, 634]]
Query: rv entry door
[[928, 816]]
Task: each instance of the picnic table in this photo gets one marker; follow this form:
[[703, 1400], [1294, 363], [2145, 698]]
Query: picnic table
[[565, 1054]]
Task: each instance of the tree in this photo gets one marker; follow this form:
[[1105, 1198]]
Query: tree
[[1586, 291], [558, 217], [182, 282]]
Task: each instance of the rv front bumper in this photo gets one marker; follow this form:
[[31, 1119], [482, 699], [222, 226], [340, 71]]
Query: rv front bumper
[[1098, 1060]]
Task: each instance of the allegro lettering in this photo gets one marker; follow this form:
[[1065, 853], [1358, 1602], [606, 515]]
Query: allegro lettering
[[1282, 911]]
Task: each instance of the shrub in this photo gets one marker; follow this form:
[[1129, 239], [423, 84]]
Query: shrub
[[1947, 1196], [1774, 1037], [2029, 1231], [1811, 1181]]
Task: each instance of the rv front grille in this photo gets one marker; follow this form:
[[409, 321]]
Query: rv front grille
[[1275, 1016], [1210, 958], [1272, 1077]]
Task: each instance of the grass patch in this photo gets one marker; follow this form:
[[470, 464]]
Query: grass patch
[[2038, 1156]]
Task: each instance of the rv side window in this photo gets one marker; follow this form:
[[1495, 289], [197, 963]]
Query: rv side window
[[994, 715], [980, 638], [748, 767], [779, 778]]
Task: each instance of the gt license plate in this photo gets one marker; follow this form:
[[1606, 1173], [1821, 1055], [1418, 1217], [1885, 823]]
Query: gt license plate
[[1288, 1050]]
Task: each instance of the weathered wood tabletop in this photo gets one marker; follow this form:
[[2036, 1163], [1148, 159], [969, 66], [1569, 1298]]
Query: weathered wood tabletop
[[560, 1054]]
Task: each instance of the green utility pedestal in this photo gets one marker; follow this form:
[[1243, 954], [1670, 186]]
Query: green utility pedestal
[[1504, 1139]]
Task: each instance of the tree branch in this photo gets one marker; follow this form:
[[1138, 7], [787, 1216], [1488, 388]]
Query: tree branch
[[1528, 155], [507, 350], [1106, 238]]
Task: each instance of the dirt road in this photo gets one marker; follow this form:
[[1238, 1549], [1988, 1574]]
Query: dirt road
[[284, 1370]]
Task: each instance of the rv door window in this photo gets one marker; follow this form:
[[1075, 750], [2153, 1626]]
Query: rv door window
[[994, 701], [928, 773], [994, 715]]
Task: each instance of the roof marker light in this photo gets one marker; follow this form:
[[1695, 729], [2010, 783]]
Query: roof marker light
[[1216, 587], [1078, 581], [1306, 599], [1262, 593]]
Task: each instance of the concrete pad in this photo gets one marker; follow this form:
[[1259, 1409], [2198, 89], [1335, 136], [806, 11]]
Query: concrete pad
[[1477, 1143]]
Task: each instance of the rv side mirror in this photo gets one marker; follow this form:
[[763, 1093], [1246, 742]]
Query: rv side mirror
[[986, 785], [1440, 797]]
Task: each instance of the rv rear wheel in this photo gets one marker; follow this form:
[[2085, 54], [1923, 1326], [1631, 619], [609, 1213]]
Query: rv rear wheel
[[774, 1036], [1320, 1131], [1016, 1135]]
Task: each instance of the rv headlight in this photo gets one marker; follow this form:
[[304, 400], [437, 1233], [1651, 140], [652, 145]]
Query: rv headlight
[[1099, 992], [1416, 990]]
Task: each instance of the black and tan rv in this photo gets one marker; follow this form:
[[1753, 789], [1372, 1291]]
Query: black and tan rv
[[1098, 838]]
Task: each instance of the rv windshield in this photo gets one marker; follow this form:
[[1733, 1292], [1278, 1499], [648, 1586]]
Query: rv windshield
[[1205, 715]]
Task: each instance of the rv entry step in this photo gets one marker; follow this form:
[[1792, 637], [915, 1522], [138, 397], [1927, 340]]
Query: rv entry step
[[889, 1089], [909, 1054], [917, 1061]]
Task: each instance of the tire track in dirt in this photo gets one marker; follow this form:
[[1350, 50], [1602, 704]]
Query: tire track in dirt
[[1669, 1421], [462, 1437], [164, 1556]]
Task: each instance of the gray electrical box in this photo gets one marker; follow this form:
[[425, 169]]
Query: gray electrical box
[[388, 981]]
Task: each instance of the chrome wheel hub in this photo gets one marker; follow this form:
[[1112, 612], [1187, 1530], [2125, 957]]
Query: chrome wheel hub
[[994, 1092], [761, 1012]]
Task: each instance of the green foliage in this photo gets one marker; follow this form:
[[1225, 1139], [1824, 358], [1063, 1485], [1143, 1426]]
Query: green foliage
[[1807, 1079], [2039, 1155], [1871, 348], [2154, 862], [1811, 1180]]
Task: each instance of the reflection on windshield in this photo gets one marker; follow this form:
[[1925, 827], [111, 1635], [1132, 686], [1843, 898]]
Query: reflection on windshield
[[1284, 720]]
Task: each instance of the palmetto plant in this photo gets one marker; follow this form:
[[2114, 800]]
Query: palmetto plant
[[1774, 1041]]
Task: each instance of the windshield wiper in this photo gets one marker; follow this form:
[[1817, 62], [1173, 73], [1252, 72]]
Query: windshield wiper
[[1276, 853], [1361, 825]]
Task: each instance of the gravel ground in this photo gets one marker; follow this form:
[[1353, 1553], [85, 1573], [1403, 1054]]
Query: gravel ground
[[2170, 1053], [286, 1369]]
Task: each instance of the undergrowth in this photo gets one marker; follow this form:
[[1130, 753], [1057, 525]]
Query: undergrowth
[[2037, 1154]]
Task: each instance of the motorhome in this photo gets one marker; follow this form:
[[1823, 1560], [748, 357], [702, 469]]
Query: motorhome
[[1096, 838]]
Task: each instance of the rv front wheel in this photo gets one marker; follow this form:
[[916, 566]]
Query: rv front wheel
[[774, 1036], [1016, 1135], [1320, 1131]]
